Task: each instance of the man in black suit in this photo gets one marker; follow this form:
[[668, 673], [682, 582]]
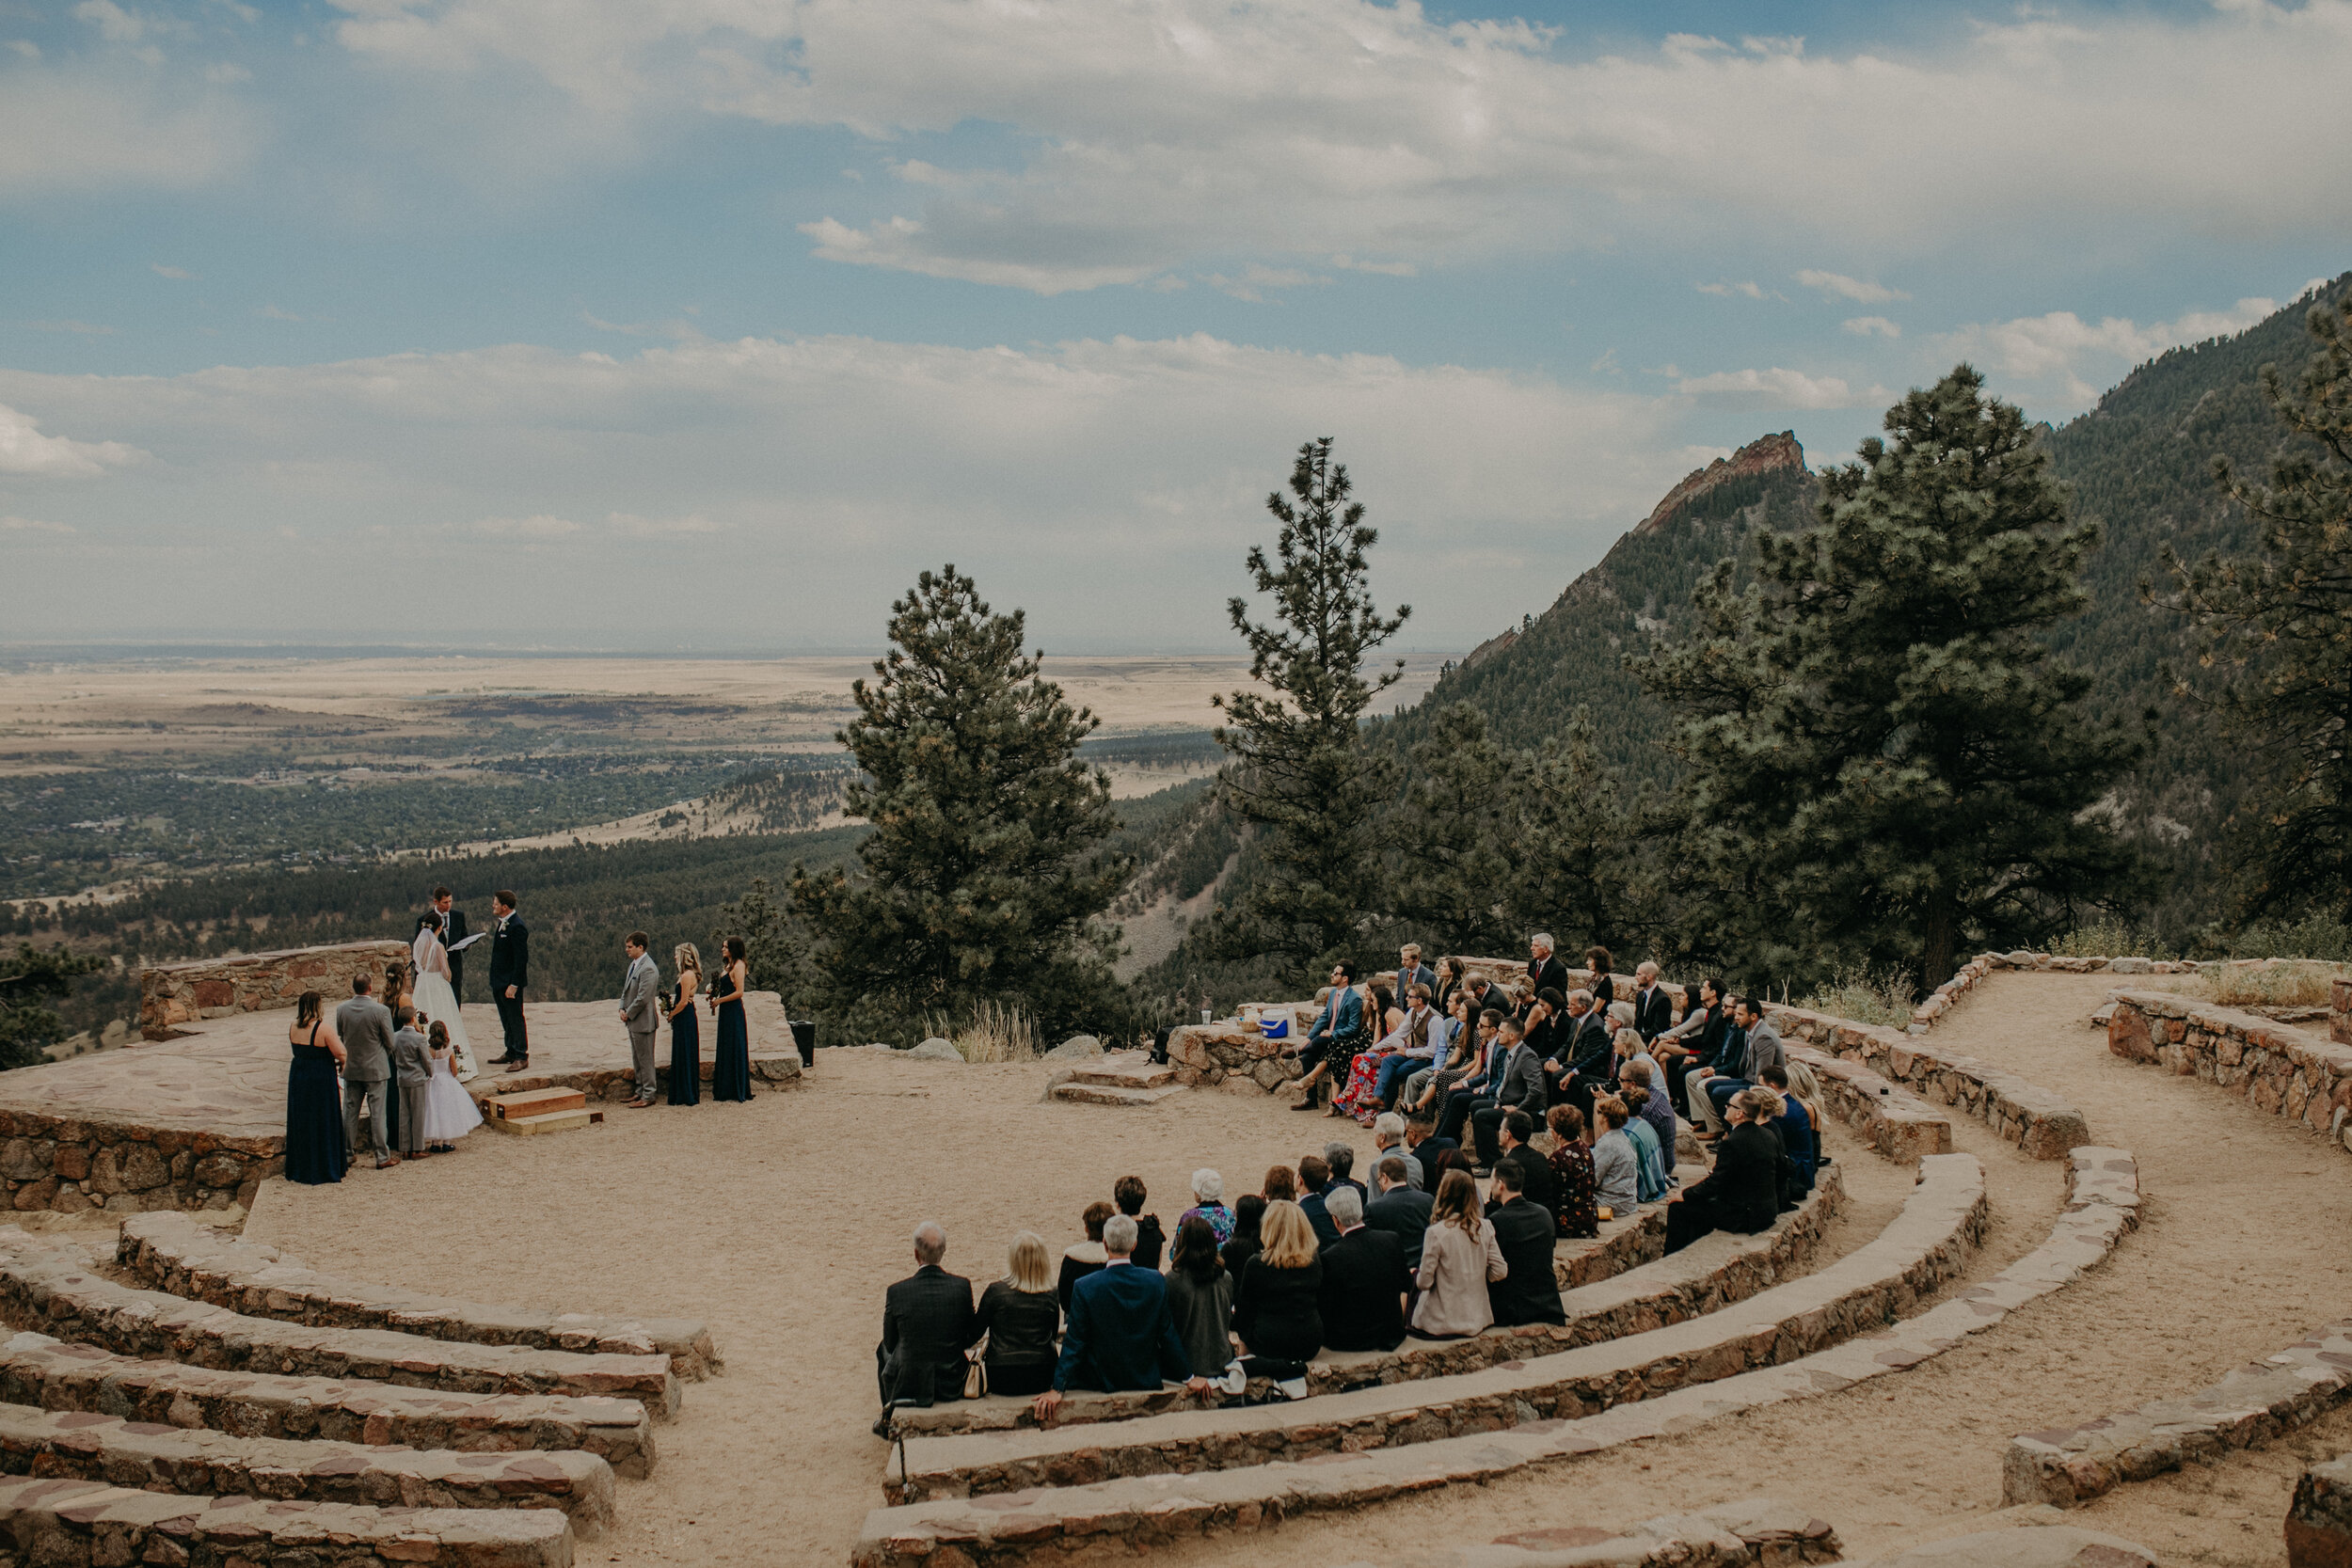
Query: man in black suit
[[510, 976], [450, 921], [1653, 1009], [1411, 971], [1363, 1281], [1422, 1143], [928, 1323], [1529, 1294], [1402, 1208], [1315, 1190], [1582, 1064], [1535, 1181], [1544, 971]]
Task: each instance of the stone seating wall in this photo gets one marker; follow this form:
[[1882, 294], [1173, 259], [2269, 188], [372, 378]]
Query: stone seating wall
[[172, 1253], [52, 1293], [2038, 1122], [158, 1458], [69, 1166], [1137, 1513], [36, 1370], [1758, 1534], [1927, 1244], [2278, 1069], [1892, 1120], [2319, 1520], [2249, 1408], [83, 1524], [174, 994]]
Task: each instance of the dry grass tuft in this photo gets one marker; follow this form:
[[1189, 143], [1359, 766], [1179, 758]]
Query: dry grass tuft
[[995, 1033], [1863, 996], [2278, 983]]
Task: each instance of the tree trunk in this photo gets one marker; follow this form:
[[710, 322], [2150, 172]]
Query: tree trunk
[[1942, 941]]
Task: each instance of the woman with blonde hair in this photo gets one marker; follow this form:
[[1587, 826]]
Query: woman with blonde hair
[[1018, 1315], [686, 1029], [1458, 1255], [1278, 1308]]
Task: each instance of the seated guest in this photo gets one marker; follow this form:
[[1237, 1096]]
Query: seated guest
[[1528, 1293], [1799, 1139], [1084, 1257], [1418, 1045], [1470, 1089], [1200, 1298], [1450, 1065], [1653, 1006], [1334, 1037], [1641, 1086], [1240, 1247], [1583, 1054], [1208, 1201], [1617, 1165], [1151, 1241], [1281, 1185], [1363, 1281], [927, 1326], [1534, 1182], [1278, 1308], [1314, 1177], [1402, 1209], [1019, 1315], [1422, 1143], [1597, 960], [1742, 1193], [1120, 1335], [1544, 969], [1760, 1048], [1649, 1169], [1341, 1159], [1695, 1039], [1458, 1259], [1571, 1163], [1520, 1088], [1388, 1137]]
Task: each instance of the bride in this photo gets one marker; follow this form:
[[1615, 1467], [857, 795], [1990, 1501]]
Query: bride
[[435, 1000]]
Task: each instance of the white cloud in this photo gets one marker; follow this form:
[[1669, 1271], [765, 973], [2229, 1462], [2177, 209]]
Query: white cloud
[[176, 274], [1386, 269], [629, 526], [271, 313], [1256, 278], [1837, 285], [1752, 290], [28, 525], [1771, 388], [23, 450], [2058, 352], [114, 24], [532, 527], [83, 125], [1155, 131], [1864, 326]]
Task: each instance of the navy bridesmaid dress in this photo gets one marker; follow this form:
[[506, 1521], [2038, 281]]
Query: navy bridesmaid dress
[[686, 1056], [731, 1066], [315, 1154]]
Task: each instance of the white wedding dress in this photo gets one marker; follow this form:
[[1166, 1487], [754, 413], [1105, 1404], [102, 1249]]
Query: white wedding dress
[[436, 1001]]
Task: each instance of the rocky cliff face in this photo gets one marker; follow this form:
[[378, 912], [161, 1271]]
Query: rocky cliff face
[[1757, 459]]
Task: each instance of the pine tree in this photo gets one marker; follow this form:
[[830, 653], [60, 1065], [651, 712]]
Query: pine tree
[[1454, 875], [1299, 768], [26, 982], [2277, 629], [1578, 861], [983, 878], [1878, 731]]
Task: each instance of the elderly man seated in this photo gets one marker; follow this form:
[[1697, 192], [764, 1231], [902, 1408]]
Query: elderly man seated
[[1121, 1334], [926, 1324]]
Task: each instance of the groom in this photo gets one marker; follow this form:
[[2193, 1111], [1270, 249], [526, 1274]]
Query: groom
[[510, 976], [451, 922]]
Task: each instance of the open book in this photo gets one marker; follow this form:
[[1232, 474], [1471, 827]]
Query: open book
[[461, 946]]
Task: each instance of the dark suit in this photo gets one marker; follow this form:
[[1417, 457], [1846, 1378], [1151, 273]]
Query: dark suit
[[1653, 1013], [1121, 1334], [509, 965], [453, 929], [1519, 1087], [1537, 1183], [1407, 978], [1742, 1193], [1585, 1051], [927, 1324], [1529, 1294], [1320, 1217], [1552, 975], [1404, 1213], [1363, 1290]]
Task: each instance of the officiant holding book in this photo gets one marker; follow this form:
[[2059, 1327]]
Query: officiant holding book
[[449, 922]]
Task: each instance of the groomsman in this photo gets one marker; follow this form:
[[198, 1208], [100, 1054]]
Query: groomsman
[[510, 976], [451, 921], [638, 1015]]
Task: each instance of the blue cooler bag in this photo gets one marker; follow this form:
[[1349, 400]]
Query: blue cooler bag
[[1275, 1028]]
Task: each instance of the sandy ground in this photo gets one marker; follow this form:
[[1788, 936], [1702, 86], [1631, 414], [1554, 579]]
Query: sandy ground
[[782, 1221]]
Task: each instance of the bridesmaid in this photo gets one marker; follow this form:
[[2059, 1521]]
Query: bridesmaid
[[731, 1070], [685, 1033], [315, 1154]]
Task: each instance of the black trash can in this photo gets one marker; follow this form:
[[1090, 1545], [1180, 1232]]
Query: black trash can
[[804, 1036]]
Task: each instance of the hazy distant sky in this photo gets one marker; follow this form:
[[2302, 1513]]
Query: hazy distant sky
[[708, 323]]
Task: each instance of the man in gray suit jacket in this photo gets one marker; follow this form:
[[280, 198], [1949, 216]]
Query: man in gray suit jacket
[[1519, 1087], [640, 1014], [365, 1027]]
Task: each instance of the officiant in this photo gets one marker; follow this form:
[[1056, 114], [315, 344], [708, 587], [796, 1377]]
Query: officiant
[[450, 921]]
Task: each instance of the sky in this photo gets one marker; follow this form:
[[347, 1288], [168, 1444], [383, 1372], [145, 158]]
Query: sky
[[707, 324]]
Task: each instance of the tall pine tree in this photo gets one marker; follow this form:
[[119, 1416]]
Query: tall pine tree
[[1455, 869], [1877, 730], [983, 880], [1299, 768], [1580, 864]]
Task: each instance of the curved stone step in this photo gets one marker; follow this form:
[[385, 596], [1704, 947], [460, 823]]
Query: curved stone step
[[1924, 1245], [2038, 1121], [1891, 1119], [1141, 1511], [71, 1523], [52, 1292], [1760, 1531], [153, 1457], [1077, 1093], [36, 1370], [171, 1252], [2319, 1519]]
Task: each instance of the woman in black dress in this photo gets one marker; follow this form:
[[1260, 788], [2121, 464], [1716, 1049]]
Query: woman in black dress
[[731, 1069], [1019, 1314], [686, 1028], [315, 1154], [1278, 1311]]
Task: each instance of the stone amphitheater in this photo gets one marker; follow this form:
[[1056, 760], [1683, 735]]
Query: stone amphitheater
[[2076, 1289]]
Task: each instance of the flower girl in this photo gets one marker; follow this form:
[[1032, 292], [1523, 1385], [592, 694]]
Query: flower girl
[[450, 1112]]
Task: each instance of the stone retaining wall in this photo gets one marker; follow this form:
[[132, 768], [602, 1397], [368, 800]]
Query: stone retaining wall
[[68, 1165], [2319, 1520], [2248, 1408], [1892, 1120], [173, 994], [1758, 1534], [2278, 1069], [2037, 1121]]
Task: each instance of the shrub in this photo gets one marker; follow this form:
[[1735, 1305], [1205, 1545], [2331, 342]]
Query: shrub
[[1863, 996]]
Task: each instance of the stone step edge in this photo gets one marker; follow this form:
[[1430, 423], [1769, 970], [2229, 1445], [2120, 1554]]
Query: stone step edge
[[1745, 1534], [36, 1370], [2040, 1122], [79, 1445], [2103, 1206], [2319, 1517], [1929, 1243], [1603, 1310], [1894, 1122], [1097, 1094], [2251, 1406], [60, 1292], [82, 1521], [173, 1253]]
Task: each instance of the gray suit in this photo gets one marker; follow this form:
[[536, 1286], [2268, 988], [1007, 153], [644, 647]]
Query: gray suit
[[639, 1011], [365, 1027], [412, 1075]]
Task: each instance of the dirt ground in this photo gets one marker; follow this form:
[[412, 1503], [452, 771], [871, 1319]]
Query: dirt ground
[[782, 1221]]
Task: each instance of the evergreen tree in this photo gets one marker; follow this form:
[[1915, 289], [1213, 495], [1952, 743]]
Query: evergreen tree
[[1454, 870], [27, 981], [2279, 628], [1299, 768], [984, 877], [1877, 729], [1578, 861]]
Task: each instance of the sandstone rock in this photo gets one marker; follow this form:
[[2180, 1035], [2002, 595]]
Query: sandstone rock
[[1077, 1048], [2033, 1547], [932, 1049], [21, 1160], [2319, 1521], [2130, 966]]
